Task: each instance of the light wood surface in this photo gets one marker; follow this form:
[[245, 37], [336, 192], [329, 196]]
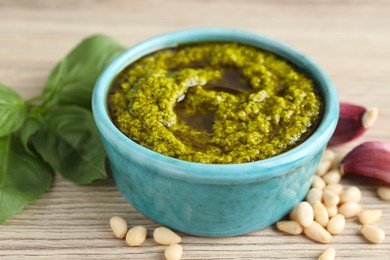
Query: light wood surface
[[349, 39]]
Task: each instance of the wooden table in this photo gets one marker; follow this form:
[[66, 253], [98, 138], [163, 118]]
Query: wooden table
[[349, 39]]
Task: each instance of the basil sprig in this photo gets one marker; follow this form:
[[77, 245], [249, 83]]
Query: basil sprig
[[53, 131]]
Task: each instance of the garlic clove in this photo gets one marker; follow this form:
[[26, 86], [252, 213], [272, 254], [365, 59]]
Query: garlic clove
[[353, 121], [371, 159]]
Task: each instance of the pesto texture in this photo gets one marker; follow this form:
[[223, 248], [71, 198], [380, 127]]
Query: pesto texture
[[214, 103]]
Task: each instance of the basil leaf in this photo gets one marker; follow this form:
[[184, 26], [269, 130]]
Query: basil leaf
[[12, 110], [29, 128], [23, 177], [70, 143], [72, 80]]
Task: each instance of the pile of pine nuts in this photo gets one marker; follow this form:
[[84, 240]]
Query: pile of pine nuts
[[136, 236], [322, 214], [328, 204]]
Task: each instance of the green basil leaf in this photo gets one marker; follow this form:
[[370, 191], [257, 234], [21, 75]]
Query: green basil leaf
[[23, 177], [12, 110], [72, 80], [29, 128], [70, 143]]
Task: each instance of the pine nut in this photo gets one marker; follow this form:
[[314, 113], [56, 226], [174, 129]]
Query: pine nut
[[330, 198], [173, 252], [337, 162], [335, 187], [328, 254], [372, 234], [165, 236], [323, 167], [318, 182], [290, 227], [384, 193], [334, 176], [352, 194], [332, 211], [118, 226], [136, 236], [328, 155], [350, 209], [293, 214], [336, 224], [370, 216], [320, 213], [369, 117], [317, 233], [314, 194], [305, 214]]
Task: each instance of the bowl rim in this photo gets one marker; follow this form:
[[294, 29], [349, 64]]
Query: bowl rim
[[242, 172]]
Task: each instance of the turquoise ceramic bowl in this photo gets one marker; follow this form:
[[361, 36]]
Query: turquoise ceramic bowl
[[212, 199]]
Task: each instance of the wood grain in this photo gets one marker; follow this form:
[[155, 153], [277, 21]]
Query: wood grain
[[349, 39]]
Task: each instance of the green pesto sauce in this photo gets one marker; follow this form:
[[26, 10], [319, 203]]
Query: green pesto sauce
[[214, 103]]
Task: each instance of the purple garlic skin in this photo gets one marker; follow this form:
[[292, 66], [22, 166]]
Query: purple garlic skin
[[371, 159], [350, 124]]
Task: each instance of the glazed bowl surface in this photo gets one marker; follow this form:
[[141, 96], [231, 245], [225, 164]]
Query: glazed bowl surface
[[213, 199]]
